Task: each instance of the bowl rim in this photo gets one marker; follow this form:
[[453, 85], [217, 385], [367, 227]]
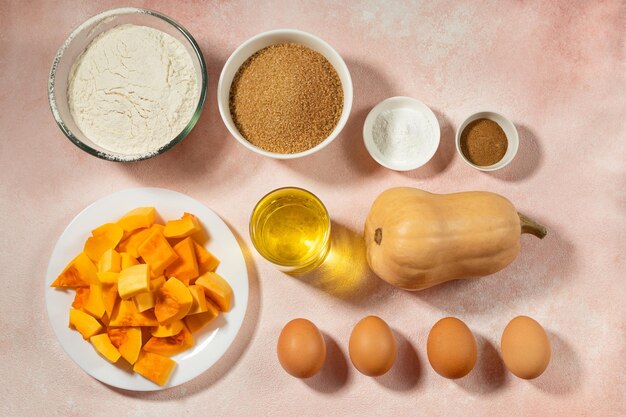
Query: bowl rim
[[513, 140], [368, 137], [89, 23], [347, 103]]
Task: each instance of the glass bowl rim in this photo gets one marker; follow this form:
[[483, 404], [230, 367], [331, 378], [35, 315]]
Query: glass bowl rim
[[89, 23]]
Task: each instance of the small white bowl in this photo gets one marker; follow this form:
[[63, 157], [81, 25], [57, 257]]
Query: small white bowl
[[258, 42], [429, 146], [509, 130]]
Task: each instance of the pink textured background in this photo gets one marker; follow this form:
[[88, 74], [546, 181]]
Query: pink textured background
[[556, 68]]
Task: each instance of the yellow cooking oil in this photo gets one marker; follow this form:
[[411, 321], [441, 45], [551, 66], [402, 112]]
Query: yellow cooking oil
[[290, 227]]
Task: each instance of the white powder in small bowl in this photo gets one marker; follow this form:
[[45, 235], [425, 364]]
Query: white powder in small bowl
[[133, 90], [402, 135]]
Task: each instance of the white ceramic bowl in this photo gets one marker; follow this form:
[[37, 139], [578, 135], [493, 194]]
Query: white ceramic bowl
[[509, 130], [427, 148], [258, 42]]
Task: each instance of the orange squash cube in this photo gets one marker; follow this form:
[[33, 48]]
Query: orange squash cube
[[138, 218], [207, 262], [84, 323], [80, 272], [111, 231], [196, 322], [157, 252], [173, 301], [199, 300], [109, 298], [166, 330], [125, 314], [183, 227], [134, 280], [104, 347], [128, 260], [154, 367], [110, 261], [185, 267], [217, 289], [82, 294], [108, 277], [144, 301], [95, 302], [127, 340], [172, 345], [132, 242]]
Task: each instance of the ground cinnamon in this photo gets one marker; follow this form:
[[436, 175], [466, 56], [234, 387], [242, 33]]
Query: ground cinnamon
[[483, 142]]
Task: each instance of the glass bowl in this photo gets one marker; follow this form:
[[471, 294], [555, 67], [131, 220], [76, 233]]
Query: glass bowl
[[76, 43]]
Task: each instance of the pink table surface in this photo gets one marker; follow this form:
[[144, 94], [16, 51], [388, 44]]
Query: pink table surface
[[555, 68]]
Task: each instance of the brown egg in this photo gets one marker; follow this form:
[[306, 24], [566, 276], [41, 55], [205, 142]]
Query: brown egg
[[301, 348], [372, 346], [451, 348], [525, 347]]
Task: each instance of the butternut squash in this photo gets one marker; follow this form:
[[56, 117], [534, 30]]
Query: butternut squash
[[416, 239]]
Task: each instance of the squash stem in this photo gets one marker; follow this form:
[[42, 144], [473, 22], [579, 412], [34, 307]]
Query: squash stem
[[532, 227], [378, 236]]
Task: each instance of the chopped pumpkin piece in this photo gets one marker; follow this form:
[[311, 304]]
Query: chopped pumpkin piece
[[157, 252], [166, 330], [127, 340], [132, 242], [112, 231], [134, 280], [173, 301], [95, 302], [217, 289], [154, 367], [109, 298], [128, 260], [96, 246], [172, 345], [144, 301], [104, 347], [82, 294], [110, 261], [84, 323], [156, 283], [199, 300], [196, 322], [183, 227], [126, 314], [207, 262], [185, 267], [108, 277], [80, 272], [69, 278], [137, 219]]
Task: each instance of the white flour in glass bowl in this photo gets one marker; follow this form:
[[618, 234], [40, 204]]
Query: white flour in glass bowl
[[133, 89]]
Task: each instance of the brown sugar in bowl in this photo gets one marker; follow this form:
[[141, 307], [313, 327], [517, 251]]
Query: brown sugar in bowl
[[276, 37]]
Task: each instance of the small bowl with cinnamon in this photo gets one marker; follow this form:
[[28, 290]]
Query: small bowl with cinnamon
[[487, 141]]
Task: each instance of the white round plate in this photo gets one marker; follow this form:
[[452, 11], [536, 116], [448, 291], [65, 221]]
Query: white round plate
[[211, 342]]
